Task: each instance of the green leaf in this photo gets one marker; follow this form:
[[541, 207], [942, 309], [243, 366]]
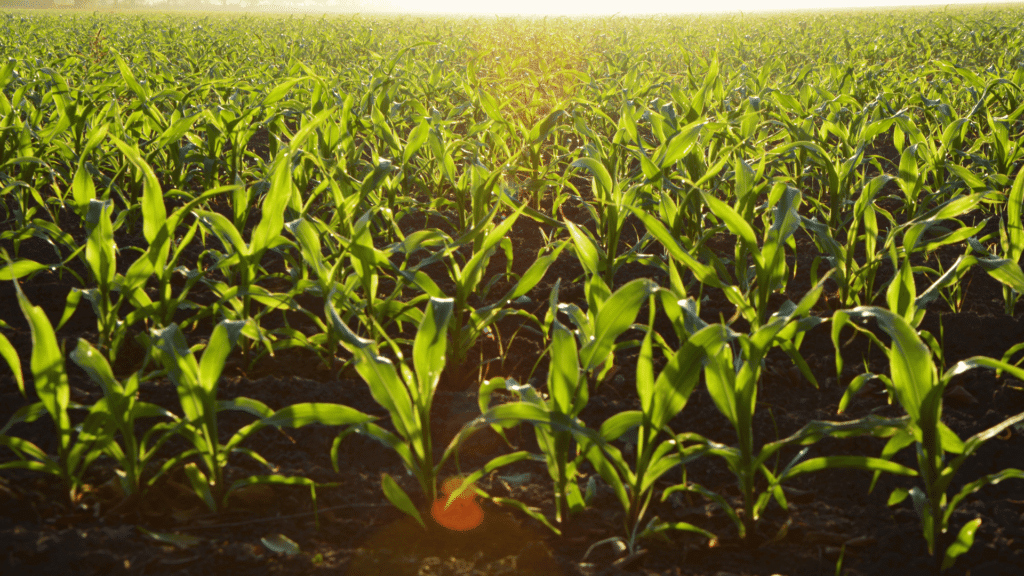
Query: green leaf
[[36, 460], [83, 190], [471, 272], [388, 390], [680, 144], [11, 356], [128, 77], [328, 414], [910, 362], [1015, 229], [20, 269], [274, 204], [540, 131], [153, 210], [720, 377], [618, 424], [736, 224], [613, 318], [586, 248], [225, 231], [200, 485], [680, 376], [29, 413], [493, 464], [714, 497], [858, 462], [1004, 270], [96, 366], [972, 487], [898, 495], [602, 179], [529, 511], [48, 370], [415, 141], [224, 336], [394, 493], [491, 107], [99, 245], [279, 92], [681, 526], [175, 131], [901, 293], [535, 273], [430, 346], [614, 470], [705, 274], [564, 370], [182, 370], [908, 168], [963, 543]]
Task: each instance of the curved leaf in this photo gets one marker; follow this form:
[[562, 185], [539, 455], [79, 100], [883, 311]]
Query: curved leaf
[[858, 462], [615, 317], [964, 541], [394, 493]]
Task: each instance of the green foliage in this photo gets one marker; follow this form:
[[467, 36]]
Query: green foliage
[[916, 384], [77, 447], [374, 190]]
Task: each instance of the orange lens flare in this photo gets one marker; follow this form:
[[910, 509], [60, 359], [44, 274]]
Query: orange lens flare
[[463, 514]]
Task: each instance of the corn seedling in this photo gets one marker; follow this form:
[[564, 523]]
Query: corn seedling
[[732, 385], [407, 394], [915, 382], [661, 399], [77, 447], [196, 383]]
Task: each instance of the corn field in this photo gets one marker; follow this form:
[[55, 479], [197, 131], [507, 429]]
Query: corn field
[[729, 294]]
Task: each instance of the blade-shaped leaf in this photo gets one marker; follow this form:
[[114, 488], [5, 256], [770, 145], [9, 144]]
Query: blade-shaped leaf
[[394, 493], [964, 541], [430, 346], [615, 317], [224, 336], [602, 178]]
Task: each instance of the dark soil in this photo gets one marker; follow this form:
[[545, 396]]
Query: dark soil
[[833, 521]]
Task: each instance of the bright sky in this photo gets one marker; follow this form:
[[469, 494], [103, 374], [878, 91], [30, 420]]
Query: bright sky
[[580, 7]]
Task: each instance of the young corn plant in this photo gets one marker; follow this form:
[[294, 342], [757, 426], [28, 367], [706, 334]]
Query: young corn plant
[[100, 254], [769, 269], [241, 263], [407, 394], [856, 280], [732, 385], [1006, 268], [661, 399], [122, 409], [600, 255], [679, 258], [572, 370], [468, 323], [77, 446], [915, 382], [196, 383], [559, 431], [367, 262], [158, 259]]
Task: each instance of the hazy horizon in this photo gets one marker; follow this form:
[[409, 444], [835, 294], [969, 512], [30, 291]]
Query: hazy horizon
[[560, 7]]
